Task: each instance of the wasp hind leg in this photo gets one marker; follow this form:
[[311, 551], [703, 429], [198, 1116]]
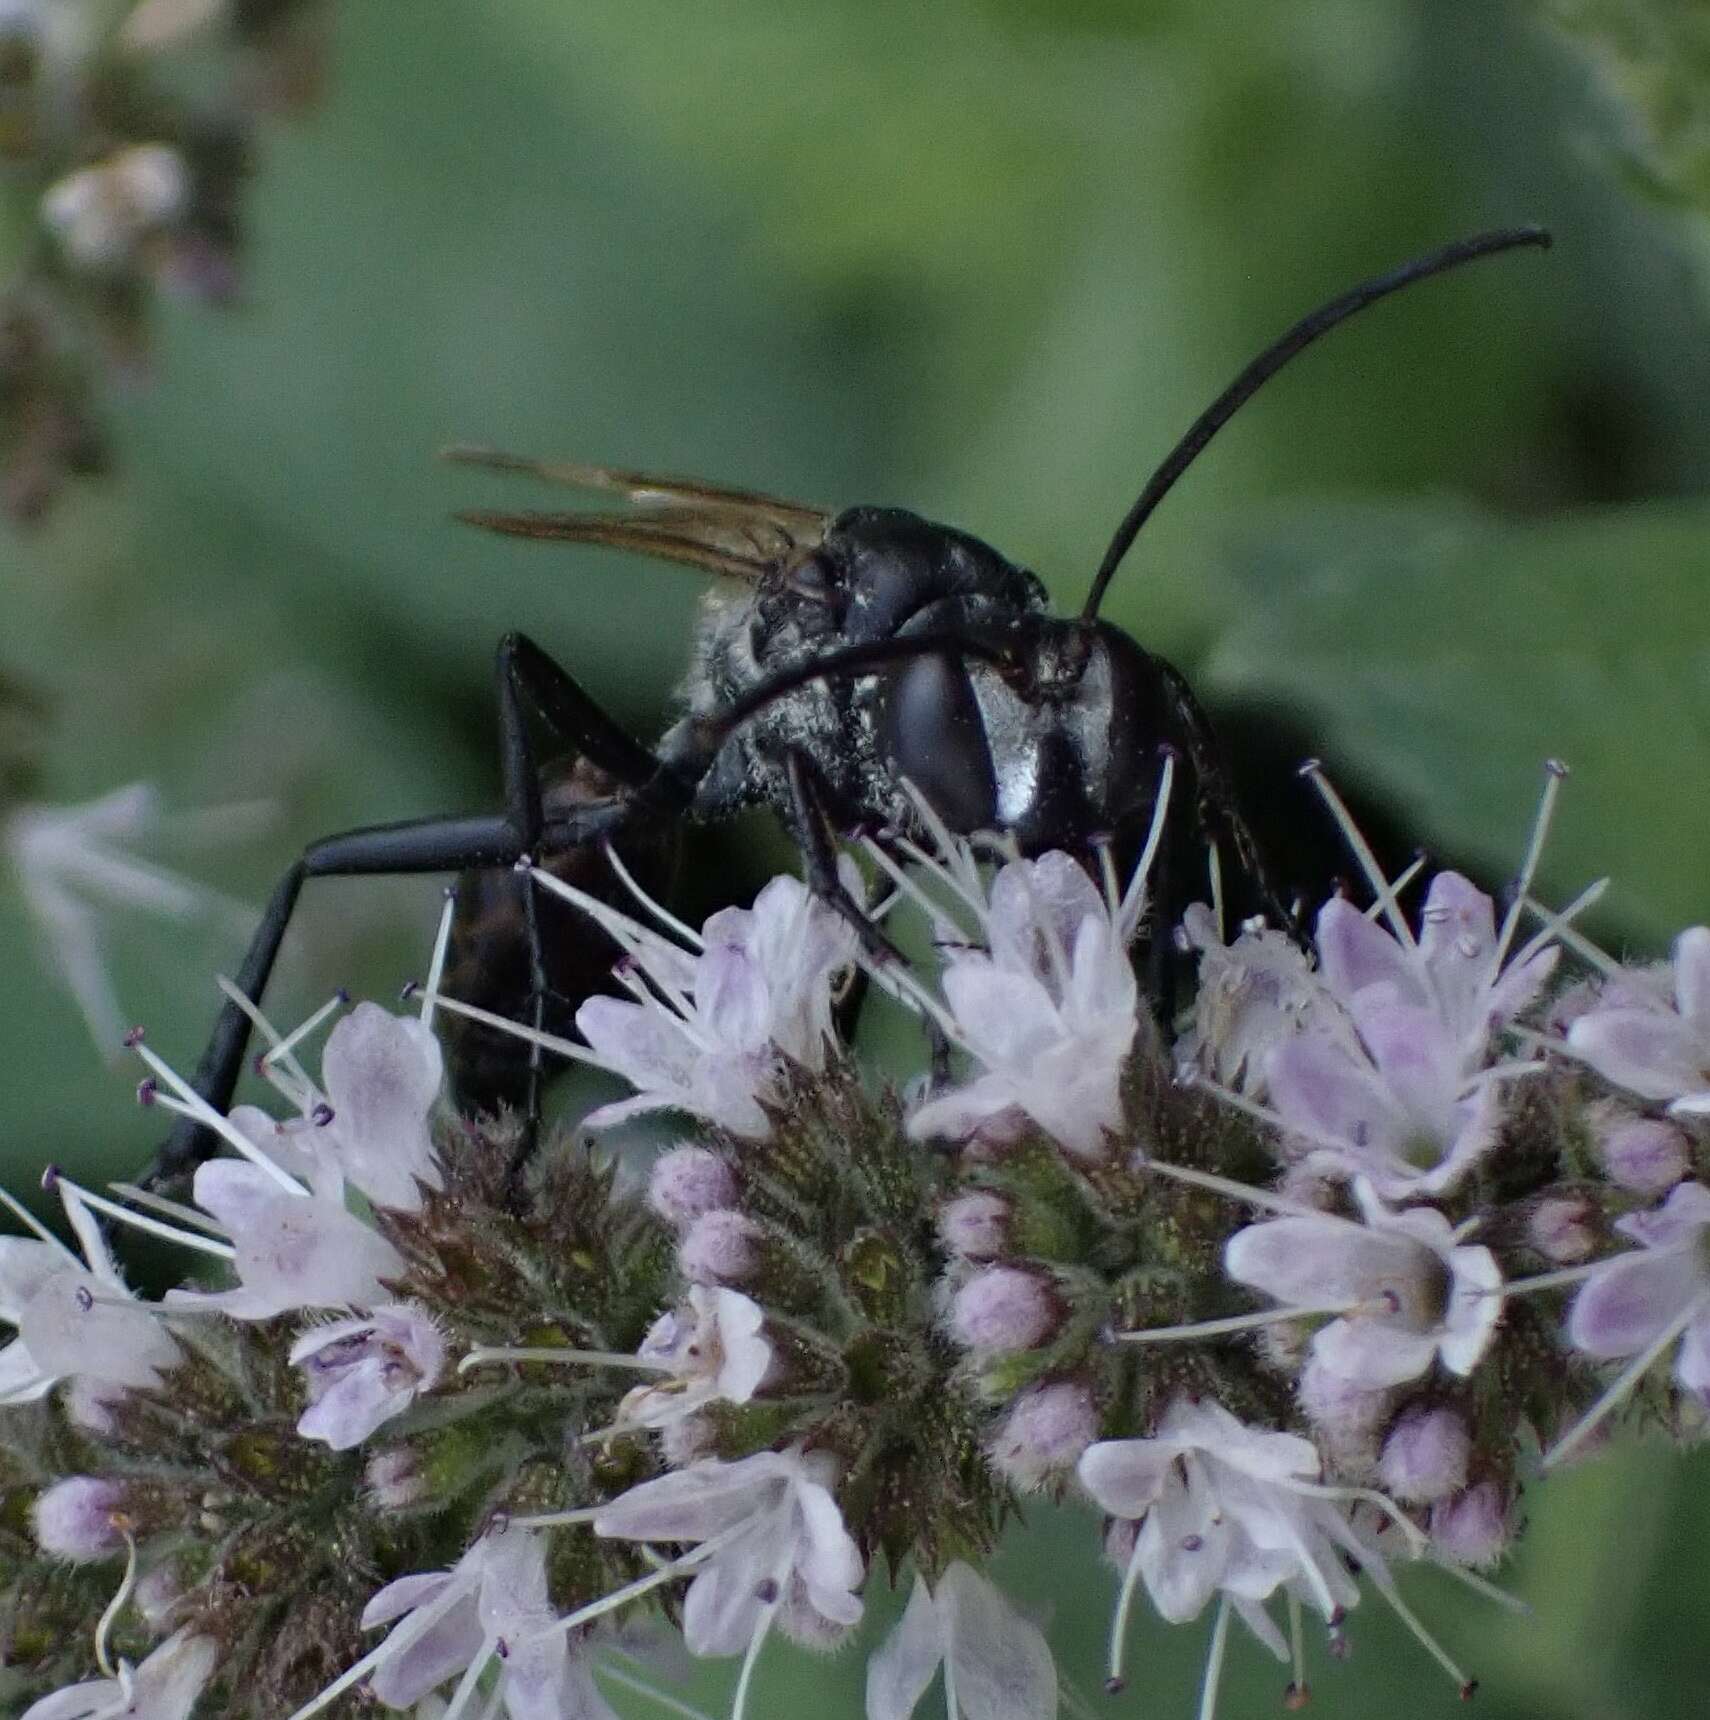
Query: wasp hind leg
[[442, 844]]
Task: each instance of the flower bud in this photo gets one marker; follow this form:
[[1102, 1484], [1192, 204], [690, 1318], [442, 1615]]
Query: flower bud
[[1425, 1455], [688, 1182], [74, 1519], [1045, 1432], [1472, 1527], [90, 1404], [720, 1247], [1346, 1417], [1564, 1228], [1004, 1308], [157, 1593], [686, 1441], [395, 1479], [975, 1225], [1644, 1155]]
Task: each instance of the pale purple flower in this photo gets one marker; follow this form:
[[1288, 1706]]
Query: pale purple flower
[[1047, 1010], [382, 1075], [1644, 1300], [490, 1608], [294, 1251], [1253, 994], [1654, 1044], [715, 1351], [1396, 1094], [165, 1687], [709, 1030], [997, 1663], [1226, 1508], [1405, 1292], [72, 1320], [771, 1544], [364, 1370], [73, 1519]]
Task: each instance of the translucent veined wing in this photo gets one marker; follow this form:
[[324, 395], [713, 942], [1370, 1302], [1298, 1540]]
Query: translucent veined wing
[[739, 533]]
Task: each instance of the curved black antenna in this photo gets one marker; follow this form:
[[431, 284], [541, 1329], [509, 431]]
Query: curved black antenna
[[1272, 359]]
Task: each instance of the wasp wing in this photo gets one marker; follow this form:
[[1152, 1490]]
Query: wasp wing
[[740, 533]]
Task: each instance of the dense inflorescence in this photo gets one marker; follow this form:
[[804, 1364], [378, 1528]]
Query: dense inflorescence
[[1296, 1292]]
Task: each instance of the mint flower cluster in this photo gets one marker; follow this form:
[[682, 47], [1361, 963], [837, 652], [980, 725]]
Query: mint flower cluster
[[1282, 1299]]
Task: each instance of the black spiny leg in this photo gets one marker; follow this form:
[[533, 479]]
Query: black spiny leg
[[452, 844], [1218, 812], [819, 853]]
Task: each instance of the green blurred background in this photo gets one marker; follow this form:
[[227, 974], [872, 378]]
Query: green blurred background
[[985, 258]]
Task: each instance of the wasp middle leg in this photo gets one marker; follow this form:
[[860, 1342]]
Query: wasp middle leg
[[527, 679]]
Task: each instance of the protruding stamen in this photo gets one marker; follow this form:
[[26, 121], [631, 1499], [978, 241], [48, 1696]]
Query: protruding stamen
[[1214, 872], [1134, 898], [1402, 879], [1381, 887], [628, 1680], [1245, 1193], [534, 1035], [1114, 1682], [739, 1702], [1296, 1696], [1107, 876], [484, 1353], [1466, 1686], [403, 1636], [204, 1113], [277, 1060], [1556, 926], [649, 904], [1629, 1377], [1214, 1662], [1554, 773], [168, 1208], [121, 1598], [1416, 1537], [1484, 1586], [33, 1224], [436, 963], [466, 1685], [71, 1191], [1545, 1280], [1236, 1323]]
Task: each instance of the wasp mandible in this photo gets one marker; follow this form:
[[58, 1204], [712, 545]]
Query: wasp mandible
[[851, 654]]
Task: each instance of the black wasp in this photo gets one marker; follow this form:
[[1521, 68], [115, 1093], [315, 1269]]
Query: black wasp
[[855, 651]]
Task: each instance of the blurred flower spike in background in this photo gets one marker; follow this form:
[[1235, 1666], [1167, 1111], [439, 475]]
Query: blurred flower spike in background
[[120, 183]]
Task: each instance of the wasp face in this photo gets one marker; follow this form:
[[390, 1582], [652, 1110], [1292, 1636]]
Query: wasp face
[[1058, 746]]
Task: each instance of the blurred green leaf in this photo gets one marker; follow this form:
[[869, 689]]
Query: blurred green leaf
[[1442, 656]]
